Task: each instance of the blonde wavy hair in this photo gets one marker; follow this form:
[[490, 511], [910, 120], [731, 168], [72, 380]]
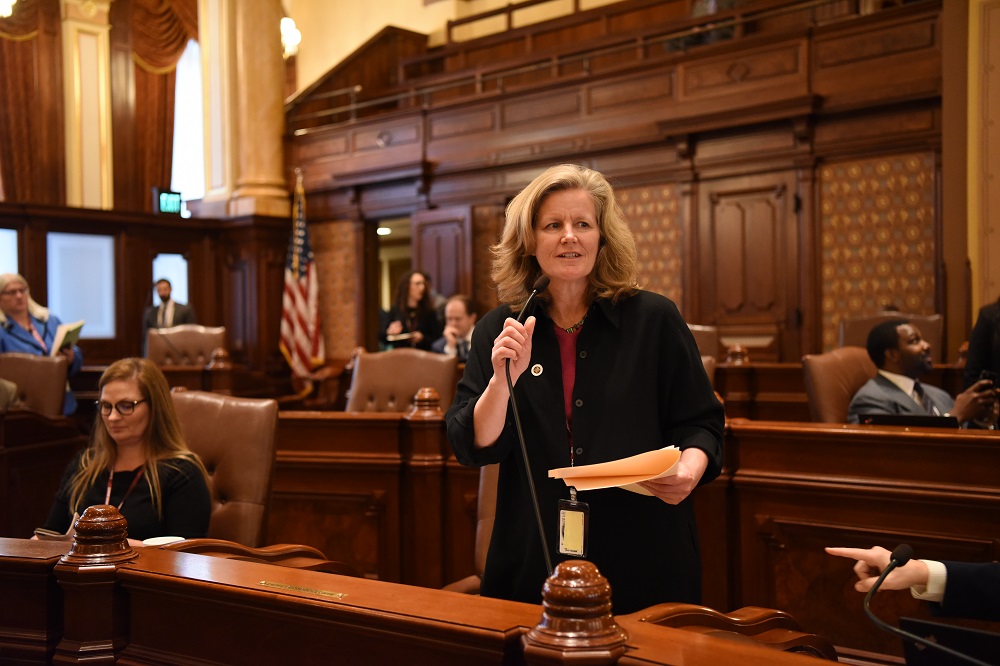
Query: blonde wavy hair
[[164, 440], [37, 311], [515, 268]]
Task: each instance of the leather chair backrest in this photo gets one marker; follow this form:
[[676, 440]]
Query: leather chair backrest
[[832, 379], [387, 381], [187, 344], [853, 331], [235, 439], [486, 512], [710, 364], [41, 380], [707, 339]]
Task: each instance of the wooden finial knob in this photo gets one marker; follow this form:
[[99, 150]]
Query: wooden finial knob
[[101, 538], [576, 617]]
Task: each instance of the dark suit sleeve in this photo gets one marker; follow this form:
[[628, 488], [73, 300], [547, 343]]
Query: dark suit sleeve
[[972, 590], [186, 316]]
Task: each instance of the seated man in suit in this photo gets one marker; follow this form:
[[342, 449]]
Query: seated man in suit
[[459, 321], [169, 313], [902, 356]]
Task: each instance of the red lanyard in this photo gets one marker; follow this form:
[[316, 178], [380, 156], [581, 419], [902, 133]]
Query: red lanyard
[[111, 476]]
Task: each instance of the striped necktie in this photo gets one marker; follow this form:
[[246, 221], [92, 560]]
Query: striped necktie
[[923, 398]]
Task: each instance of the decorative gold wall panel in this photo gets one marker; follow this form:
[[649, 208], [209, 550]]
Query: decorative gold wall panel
[[654, 215], [336, 251], [877, 237]]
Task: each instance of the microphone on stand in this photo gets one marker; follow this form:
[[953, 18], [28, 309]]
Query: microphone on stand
[[902, 554], [540, 285]]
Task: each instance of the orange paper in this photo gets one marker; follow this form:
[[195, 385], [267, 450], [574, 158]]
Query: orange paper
[[624, 473]]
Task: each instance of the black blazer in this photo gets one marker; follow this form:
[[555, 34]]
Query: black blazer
[[972, 591]]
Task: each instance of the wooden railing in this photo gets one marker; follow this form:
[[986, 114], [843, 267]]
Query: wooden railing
[[452, 73]]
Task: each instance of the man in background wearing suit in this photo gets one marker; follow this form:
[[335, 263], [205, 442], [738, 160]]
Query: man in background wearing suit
[[459, 322], [168, 313], [902, 356]]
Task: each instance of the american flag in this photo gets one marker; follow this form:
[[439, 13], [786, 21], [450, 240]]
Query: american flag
[[301, 339]]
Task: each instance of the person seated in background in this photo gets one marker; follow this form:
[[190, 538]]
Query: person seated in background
[[459, 322], [169, 312], [29, 328], [413, 320], [955, 589], [984, 345], [137, 460], [902, 356], [8, 395]]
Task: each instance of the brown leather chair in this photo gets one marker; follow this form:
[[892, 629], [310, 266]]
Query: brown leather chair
[[187, 344], [486, 509], [707, 339], [853, 331], [387, 381], [761, 626], [41, 380], [235, 439], [832, 379], [710, 364]]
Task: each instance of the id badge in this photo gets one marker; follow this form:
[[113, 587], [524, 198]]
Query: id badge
[[574, 526]]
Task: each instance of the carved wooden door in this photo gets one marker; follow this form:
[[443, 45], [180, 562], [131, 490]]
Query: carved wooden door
[[749, 271], [442, 248]]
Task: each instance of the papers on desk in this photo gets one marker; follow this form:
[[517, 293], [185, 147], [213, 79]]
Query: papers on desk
[[399, 336], [625, 473]]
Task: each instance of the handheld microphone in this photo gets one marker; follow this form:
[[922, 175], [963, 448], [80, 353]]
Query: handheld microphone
[[540, 285], [902, 554]]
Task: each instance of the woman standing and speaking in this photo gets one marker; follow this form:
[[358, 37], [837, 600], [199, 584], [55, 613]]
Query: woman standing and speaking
[[601, 370]]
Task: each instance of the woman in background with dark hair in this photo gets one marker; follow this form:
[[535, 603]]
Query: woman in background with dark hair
[[137, 460], [413, 320], [984, 345]]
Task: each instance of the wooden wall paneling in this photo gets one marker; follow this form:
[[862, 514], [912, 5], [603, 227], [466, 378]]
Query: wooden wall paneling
[[901, 49], [442, 247], [749, 248], [254, 257], [487, 226]]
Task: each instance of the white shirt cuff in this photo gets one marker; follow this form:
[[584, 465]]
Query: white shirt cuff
[[937, 576]]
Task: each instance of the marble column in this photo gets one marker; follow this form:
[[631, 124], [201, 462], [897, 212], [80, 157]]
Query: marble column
[[244, 84]]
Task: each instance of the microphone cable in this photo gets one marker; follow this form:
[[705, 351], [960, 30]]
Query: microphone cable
[[540, 285], [902, 554]]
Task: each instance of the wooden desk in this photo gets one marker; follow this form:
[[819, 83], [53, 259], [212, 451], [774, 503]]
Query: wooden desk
[[171, 607], [380, 491], [796, 488], [34, 452]]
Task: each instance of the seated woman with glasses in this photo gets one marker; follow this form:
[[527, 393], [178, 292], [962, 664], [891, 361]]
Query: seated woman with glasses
[[29, 328], [137, 461]]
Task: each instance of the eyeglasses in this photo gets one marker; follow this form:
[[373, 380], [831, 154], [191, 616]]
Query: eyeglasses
[[123, 407], [16, 291]]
